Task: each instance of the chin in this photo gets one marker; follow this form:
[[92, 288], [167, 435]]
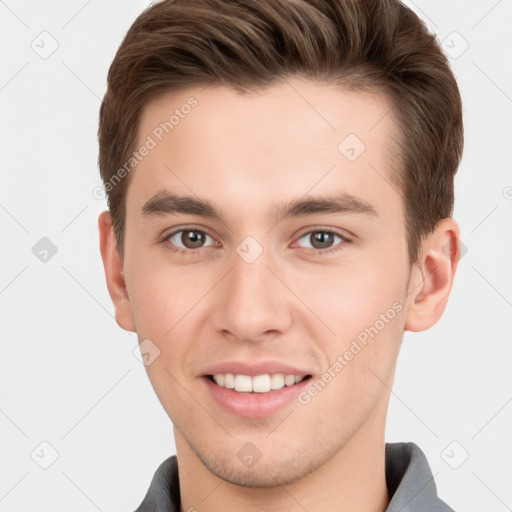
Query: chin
[[281, 470]]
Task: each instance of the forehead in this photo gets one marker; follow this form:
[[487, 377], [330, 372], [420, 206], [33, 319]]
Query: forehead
[[287, 139]]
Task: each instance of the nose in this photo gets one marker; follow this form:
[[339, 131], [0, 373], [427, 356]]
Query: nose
[[252, 302]]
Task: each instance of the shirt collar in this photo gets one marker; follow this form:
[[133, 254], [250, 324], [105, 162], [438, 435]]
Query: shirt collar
[[410, 483]]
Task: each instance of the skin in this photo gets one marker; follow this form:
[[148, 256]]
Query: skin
[[294, 303]]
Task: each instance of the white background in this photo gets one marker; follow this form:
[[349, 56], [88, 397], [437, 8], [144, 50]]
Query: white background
[[68, 373]]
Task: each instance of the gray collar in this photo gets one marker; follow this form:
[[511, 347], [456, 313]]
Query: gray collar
[[410, 482], [409, 479]]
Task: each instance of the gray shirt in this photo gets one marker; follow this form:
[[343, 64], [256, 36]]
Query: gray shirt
[[409, 479]]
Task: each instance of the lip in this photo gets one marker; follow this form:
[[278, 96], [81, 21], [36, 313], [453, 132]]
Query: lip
[[253, 405], [254, 368]]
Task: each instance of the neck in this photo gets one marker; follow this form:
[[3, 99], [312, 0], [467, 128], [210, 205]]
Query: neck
[[354, 479]]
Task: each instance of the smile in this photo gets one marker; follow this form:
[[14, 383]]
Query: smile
[[256, 384]]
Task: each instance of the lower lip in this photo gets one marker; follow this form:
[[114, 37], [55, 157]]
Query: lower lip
[[254, 405]]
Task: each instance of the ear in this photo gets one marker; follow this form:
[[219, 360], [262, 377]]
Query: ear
[[432, 276], [114, 273]]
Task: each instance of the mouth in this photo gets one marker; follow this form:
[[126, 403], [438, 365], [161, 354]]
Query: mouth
[[257, 388], [257, 384]]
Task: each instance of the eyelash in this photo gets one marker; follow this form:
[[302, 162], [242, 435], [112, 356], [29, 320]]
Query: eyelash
[[335, 248], [190, 252]]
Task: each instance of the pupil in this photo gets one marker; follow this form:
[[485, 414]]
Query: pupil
[[192, 239], [321, 239]]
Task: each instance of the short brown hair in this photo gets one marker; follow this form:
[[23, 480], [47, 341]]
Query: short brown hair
[[379, 45]]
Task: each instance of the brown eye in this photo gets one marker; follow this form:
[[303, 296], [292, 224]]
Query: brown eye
[[321, 239], [192, 239], [189, 239]]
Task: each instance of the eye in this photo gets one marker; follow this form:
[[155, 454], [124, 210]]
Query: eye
[[322, 239], [189, 239]]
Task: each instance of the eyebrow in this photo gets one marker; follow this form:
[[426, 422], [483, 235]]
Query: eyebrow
[[165, 203]]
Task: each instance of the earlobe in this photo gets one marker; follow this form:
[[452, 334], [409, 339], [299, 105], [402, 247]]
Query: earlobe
[[114, 274], [432, 277]]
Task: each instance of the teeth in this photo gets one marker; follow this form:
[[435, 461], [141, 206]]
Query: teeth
[[289, 380], [229, 380], [261, 384], [277, 381], [243, 383], [257, 384]]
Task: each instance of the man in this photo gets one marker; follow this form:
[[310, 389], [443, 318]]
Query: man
[[280, 185]]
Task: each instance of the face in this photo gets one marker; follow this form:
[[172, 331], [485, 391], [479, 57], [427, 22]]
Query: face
[[264, 240]]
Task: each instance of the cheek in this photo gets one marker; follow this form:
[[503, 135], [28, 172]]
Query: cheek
[[358, 373], [364, 306], [161, 295], [348, 299], [168, 309]]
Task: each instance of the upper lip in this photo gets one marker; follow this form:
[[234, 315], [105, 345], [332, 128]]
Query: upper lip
[[254, 368]]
